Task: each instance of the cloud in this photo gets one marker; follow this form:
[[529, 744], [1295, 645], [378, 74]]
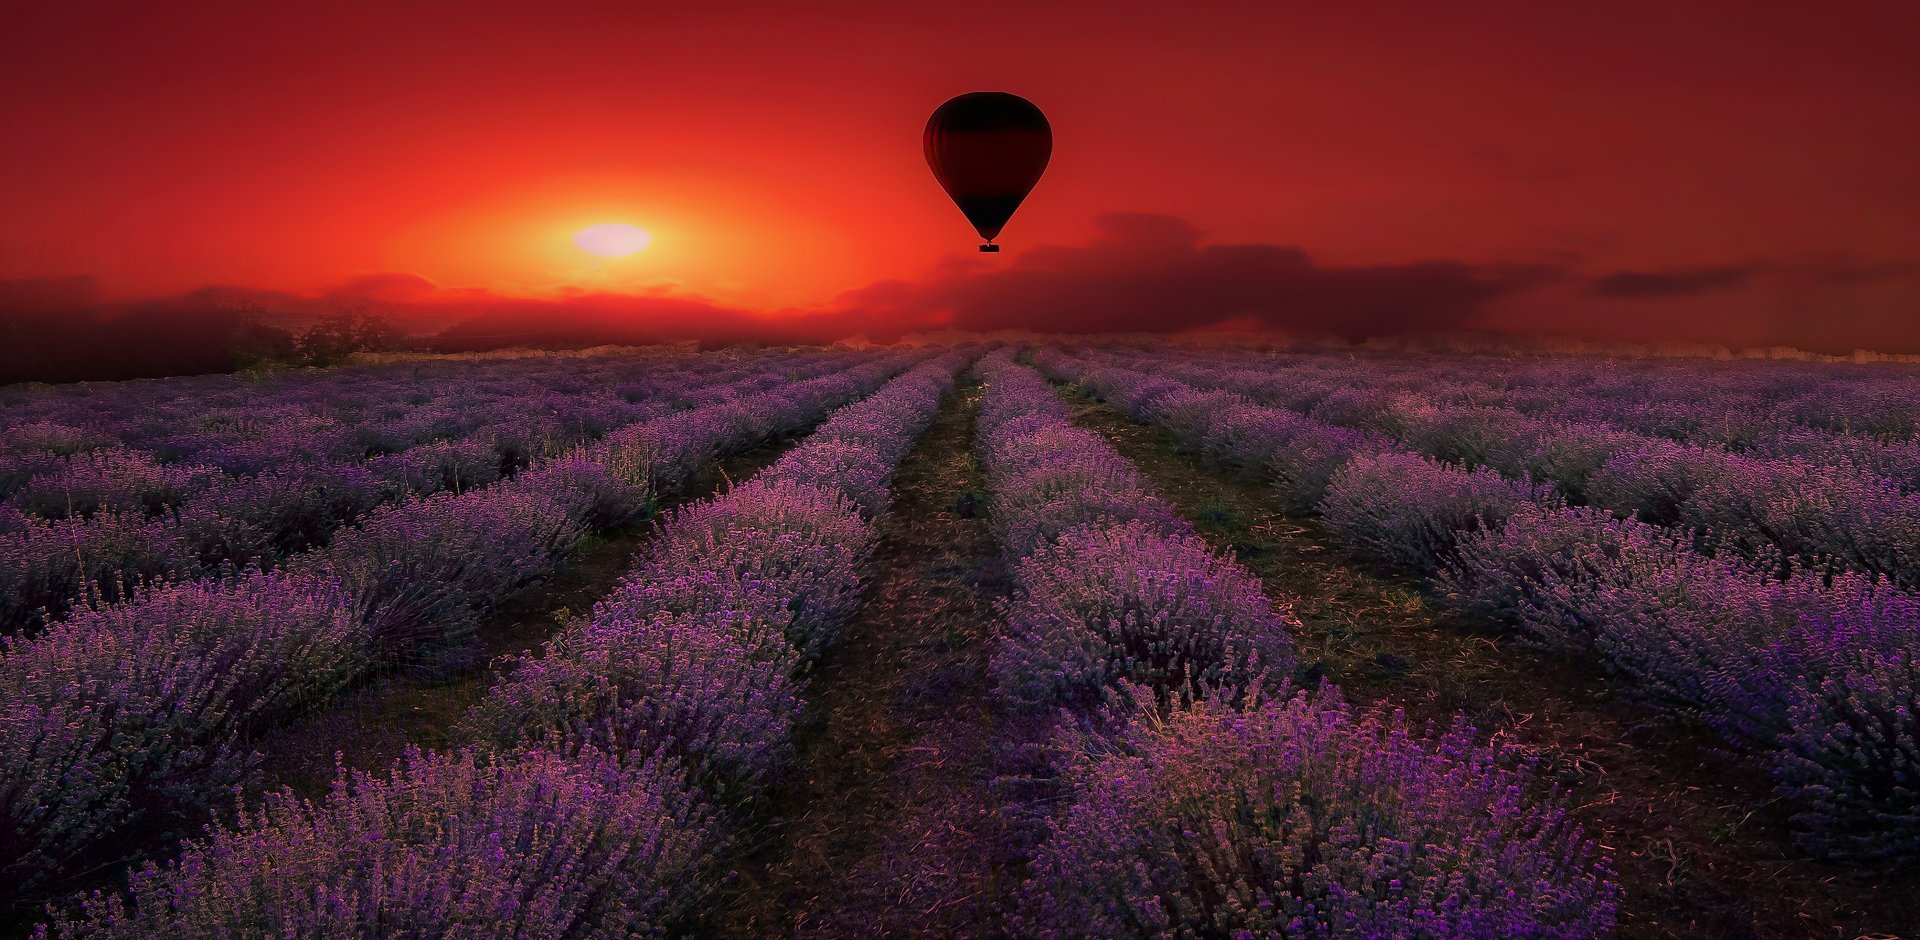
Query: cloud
[[1847, 272], [1152, 273], [390, 285], [1140, 273], [1674, 282], [591, 319]]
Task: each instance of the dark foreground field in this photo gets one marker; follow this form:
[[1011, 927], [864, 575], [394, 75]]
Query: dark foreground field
[[1053, 641]]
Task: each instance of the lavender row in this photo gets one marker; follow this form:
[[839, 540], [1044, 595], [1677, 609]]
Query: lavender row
[[610, 772], [141, 712], [45, 567], [1815, 678], [1740, 405], [207, 514], [702, 648], [1202, 794], [140, 446], [1786, 510], [241, 424], [53, 471], [1800, 496]]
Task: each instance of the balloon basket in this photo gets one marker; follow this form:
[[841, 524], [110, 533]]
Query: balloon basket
[[989, 247]]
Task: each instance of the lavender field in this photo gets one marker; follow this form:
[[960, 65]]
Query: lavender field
[[1043, 640]]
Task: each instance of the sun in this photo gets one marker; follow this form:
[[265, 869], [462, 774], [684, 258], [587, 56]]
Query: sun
[[611, 239]]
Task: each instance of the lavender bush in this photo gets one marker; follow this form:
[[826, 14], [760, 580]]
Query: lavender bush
[[695, 651], [1130, 603], [140, 710], [424, 569], [1537, 570], [1198, 802], [306, 490], [1304, 467], [1850, 760], [1072, 490], [1408, 512], [710, 686], [292, 509], [1811, 512], [45, 567], [440, 846], [1304, 818], [804, 537], [1809, 675], [440, 465], [110, 479]]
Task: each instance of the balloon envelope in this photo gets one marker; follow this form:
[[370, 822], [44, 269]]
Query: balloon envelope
[[987, 149]]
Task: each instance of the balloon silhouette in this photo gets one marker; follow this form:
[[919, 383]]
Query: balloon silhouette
[[987, 149]]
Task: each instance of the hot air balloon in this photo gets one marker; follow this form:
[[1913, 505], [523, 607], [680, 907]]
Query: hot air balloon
[[987, 149]]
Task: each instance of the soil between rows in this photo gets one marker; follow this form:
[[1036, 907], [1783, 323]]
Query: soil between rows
[[371, 726], [889, 827], [1700, 846]]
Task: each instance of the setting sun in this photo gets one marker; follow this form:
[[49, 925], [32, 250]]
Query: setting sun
[[612, 239]]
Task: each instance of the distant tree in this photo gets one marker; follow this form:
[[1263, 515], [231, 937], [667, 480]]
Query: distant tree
[[254, 342], [251, 340], [378, 334], [344, 334]]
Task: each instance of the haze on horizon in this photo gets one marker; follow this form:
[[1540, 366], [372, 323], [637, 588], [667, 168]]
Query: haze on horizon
[[1709, 171]]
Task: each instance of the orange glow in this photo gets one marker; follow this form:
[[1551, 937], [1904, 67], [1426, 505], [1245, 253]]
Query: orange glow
[[612, 239], [774, 153]]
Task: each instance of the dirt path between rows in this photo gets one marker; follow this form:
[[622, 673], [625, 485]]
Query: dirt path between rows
[[371, 726], [1700, 846], [889, 827]]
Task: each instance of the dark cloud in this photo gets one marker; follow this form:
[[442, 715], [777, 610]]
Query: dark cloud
[[1152, 273], [388, 284], [592, 319], [1710, 279], [1847, 272], [1674, 282], [1141, 273]]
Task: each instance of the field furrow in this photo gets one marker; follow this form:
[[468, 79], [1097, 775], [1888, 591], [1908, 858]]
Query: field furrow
[[220, 663], [648, 732], [1809, 673], [890, 827], [372, 725], [1172, 769], [1700, 848], [1035, 640]]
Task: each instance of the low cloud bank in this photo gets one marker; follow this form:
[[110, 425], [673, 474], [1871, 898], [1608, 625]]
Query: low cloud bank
[[1140, 273], [1152, 273]]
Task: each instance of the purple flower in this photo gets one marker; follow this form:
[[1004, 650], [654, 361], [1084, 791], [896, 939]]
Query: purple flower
[[538, 845], [1128, 603], [1304, 818], [1408, 512], [141, 709]]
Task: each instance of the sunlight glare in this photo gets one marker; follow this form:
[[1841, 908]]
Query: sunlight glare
[[611, 239]]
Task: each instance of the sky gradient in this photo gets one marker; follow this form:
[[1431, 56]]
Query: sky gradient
[[1733, 171]]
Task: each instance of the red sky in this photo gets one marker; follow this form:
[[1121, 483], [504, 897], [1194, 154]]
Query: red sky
[[1752, 164]]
